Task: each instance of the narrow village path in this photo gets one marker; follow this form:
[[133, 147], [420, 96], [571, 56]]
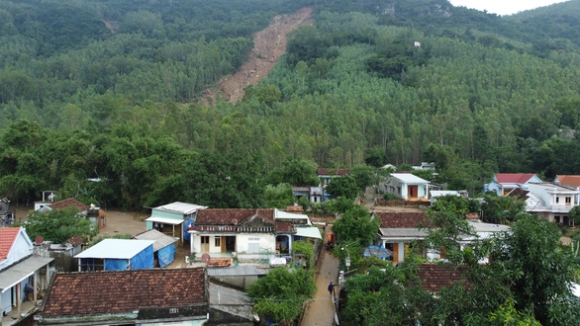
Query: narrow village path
[[320, 312]]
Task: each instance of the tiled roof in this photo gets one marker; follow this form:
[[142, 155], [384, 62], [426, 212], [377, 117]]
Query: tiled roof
[[237, 216], [69, 202], [7, 238], [284, 227], [514, 177], [325, 171], [402, 220], [231, 216], [436, 276], [96, 293], [569, 180]]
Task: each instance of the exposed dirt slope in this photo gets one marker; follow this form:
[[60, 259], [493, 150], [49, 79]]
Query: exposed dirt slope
[[269, 46]]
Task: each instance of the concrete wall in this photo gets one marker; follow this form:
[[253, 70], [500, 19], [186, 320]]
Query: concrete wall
[[230, 315], [238, 282], [246, 243], [212, 247]]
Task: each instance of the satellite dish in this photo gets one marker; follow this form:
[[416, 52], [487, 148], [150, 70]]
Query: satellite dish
[[38, 240], [205, 258]]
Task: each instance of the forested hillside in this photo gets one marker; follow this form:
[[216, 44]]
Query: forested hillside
[[110, 89]]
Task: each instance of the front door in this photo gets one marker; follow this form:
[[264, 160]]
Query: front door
[[412, 191], [205, 243]]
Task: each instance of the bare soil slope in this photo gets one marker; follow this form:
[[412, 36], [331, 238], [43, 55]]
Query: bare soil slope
[[269, 46]]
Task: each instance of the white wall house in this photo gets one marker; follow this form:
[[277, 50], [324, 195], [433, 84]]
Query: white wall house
[[407, 186], [20, 270], [249, 234], [552, 201], [399, 231], [504, 183]]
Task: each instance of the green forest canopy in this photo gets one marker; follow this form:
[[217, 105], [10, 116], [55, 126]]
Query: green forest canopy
[[110, 90]]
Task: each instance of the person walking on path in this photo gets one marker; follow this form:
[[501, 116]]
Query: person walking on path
[[331, 289]]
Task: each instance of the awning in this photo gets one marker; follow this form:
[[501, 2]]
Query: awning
[[308, 232], [21, 271], [164, 220]]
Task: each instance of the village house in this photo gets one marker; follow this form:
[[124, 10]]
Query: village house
[[117, 255], [552, 201], [150, 297], [326, 175], [504, 183], [398, 231], [313, 194], [407, 186], [173, 219], [23, 277], [248, 234], [568, 180]]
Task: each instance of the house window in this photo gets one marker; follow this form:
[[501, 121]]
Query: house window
[[218, 241], [568, 200], [254, 246], [557, 199], [205, 239]]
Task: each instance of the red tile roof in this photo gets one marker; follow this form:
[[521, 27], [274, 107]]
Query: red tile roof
[[237, 216], [96, 293], [402, 220], [325, 171], [7, 238], [69, 202], [514, 177], [231, 216], [569, 180], [437, 276]]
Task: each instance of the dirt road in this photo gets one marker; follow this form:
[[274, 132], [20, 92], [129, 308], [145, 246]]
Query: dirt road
[[269, 46], [320, 311]]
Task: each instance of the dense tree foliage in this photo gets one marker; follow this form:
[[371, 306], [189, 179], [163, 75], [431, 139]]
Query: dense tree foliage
[[60, 225], [526, 281], [111, 93], [345, 186], [356, 226], [281, 294], [279, 196]]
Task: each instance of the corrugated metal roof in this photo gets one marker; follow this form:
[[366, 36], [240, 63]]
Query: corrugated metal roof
[[164, 220], [280, 215], [409, 178], [479, 226], [179, 207], [246, 270], [116, 249], [308, 232], [18, 272], [161, 240]]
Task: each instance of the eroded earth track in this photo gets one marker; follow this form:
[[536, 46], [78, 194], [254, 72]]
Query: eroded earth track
[[269, 46]]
